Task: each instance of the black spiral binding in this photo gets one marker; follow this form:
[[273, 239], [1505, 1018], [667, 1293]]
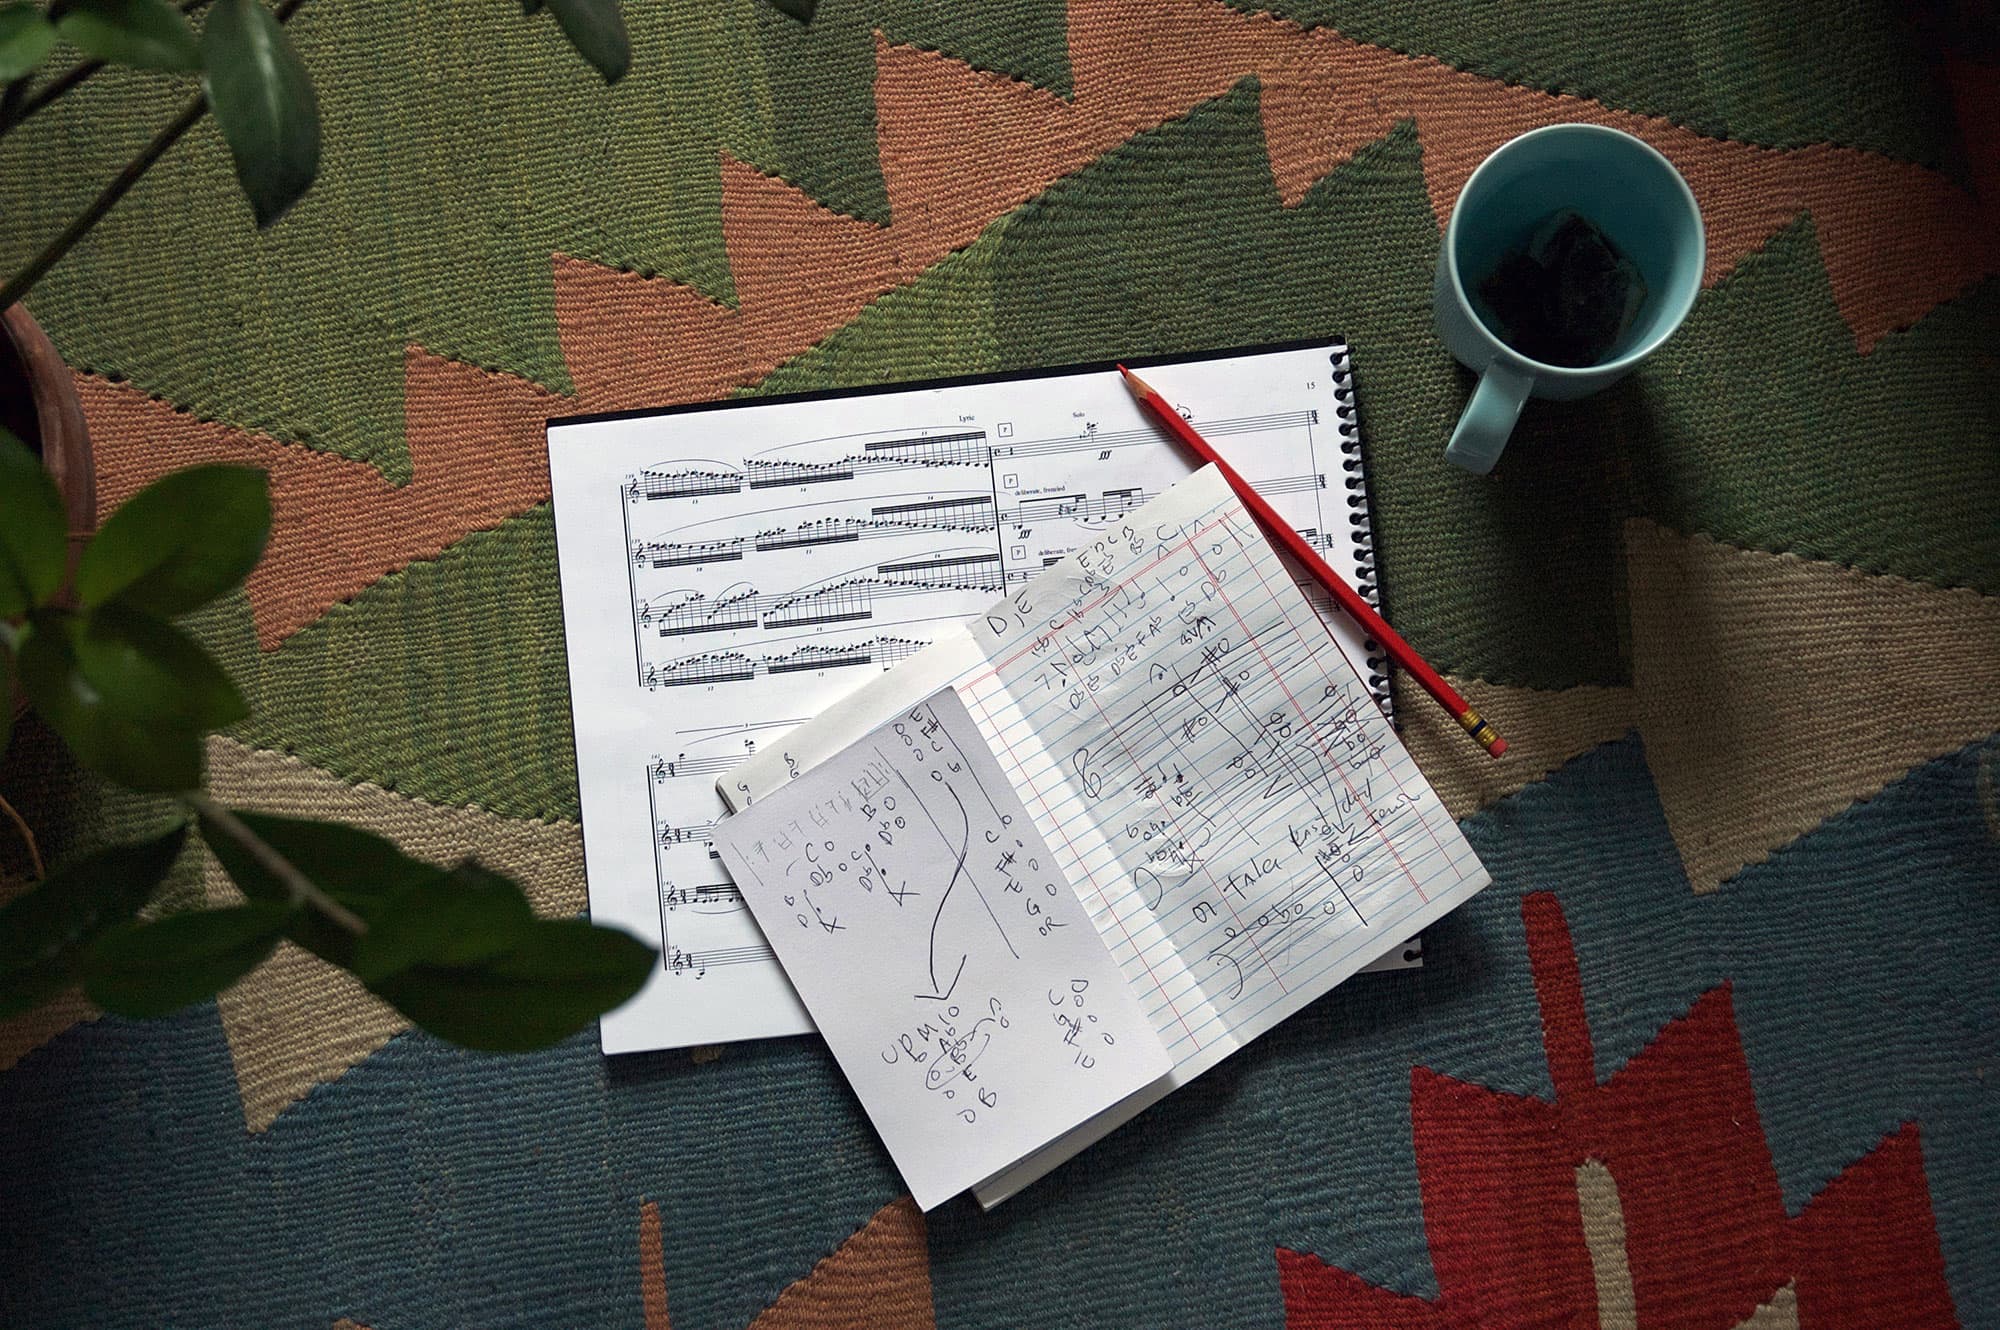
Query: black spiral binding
[[1361, 527]]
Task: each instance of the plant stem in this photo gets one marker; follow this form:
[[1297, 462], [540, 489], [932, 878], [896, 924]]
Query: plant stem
[[75, 74], [103, 203], [21, 825], [120, 186], [302, 889], [10, 101]]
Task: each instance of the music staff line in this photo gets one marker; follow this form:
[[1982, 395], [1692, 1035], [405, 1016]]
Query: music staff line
[[737, 666], [843, 602], [891, 522], [942, 450], [970, 515], [697, 963]]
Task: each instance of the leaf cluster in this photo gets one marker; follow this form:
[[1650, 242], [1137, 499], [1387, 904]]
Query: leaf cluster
[[457, 950]]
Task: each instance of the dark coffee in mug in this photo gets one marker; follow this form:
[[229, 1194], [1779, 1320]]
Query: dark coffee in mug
[[1565, 295]]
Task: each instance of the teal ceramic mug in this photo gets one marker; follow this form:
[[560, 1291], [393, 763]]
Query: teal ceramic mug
[[1635, 198]]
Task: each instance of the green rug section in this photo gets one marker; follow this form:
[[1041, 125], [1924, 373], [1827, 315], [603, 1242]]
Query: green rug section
[[1781, 73], [453, 686], [1762, 425], [1178, 242], [940, 326], [822, 80], [464, 143], [446, 682]]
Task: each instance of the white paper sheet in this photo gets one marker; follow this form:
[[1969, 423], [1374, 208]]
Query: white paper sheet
[[728, 571], [939, 948], [1242, 824]]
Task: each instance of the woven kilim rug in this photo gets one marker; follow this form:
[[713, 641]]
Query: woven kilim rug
[[1720, 1046]]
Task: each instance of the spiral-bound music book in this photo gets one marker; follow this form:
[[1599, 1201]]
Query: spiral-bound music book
[[731, 569], [1148, 780]]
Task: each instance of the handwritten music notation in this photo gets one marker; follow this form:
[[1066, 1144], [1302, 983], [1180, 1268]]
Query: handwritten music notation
[[1206, 765], [727, 568], [947, 960]]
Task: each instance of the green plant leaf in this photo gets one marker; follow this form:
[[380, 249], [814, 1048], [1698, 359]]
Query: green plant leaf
[[802, 10], [461, 917], [146, 34], [179, 543], [359, 869], [144, 752], [25, 39], [43, 932], [34, 544], [153, 969], [263, 100], [596, 29], [560, 975], [150, 670]]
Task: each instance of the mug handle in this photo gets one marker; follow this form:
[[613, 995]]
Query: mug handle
[[1489, 418]]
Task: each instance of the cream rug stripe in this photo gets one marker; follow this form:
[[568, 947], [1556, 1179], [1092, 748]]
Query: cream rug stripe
[[1544, 729], [298, 1021], [1774, 691]]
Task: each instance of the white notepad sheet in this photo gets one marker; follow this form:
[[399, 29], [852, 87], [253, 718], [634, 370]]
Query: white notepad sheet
[[1204, 761], [943, 954]]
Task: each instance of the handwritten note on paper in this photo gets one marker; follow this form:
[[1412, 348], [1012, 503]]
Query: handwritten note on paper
[[1241, 823], [1256, 832], [936, 941]]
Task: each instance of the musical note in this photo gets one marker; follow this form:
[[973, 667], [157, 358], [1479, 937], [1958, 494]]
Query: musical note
[[1103, 441], [708, 893], [774, 556], [840, 602], [695, 964], [763, 475], [730, 666], [681, 484]]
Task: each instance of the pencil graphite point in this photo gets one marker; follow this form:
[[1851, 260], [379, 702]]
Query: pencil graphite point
[[1140, 388]]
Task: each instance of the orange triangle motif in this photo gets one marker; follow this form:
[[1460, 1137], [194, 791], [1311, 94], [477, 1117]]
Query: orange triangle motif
[[1673, 1138], [960, 148], [879, 1279]]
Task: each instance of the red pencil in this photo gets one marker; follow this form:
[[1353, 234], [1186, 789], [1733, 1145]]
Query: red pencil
[[1281, 531]]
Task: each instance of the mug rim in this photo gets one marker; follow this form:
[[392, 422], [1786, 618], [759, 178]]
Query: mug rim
[[1634, 355]]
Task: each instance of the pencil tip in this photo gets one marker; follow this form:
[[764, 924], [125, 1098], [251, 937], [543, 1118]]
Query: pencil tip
[[1138, 385]]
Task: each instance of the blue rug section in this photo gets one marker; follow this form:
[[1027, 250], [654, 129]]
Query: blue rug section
[[1866, 992], [427, 1188], [430, 1188]]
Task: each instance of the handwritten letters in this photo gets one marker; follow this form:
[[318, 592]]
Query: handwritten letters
[[940, 949]]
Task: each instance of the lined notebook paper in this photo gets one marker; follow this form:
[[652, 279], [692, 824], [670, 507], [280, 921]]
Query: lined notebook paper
[[1206, 764], [949, 965]]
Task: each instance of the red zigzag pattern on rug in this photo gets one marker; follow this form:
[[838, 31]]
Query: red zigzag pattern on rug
[[1650, 1199], [958, 149]]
